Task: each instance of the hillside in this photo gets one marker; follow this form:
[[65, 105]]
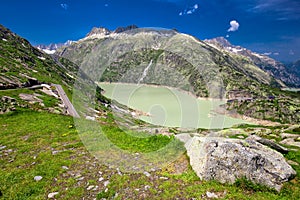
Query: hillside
[[22, 65]]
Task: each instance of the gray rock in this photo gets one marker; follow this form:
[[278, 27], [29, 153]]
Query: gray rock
[[65, 167], [2, 147], [183, 137], [226, 160], [291, 142], [147, 174], [268, 143], [147, 187], [106, 183], [90, 187], [52, 194], [211, 195], [38, 178], [100, 179]]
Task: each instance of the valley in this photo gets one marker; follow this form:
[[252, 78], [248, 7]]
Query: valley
[[141, 113]]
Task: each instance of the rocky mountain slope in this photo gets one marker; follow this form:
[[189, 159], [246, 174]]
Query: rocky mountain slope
[[271, 66], [23, 65], [195, 62], [28, 76], [166, 57]]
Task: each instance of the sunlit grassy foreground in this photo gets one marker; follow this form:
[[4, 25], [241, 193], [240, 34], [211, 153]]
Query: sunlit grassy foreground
[[48, 145]]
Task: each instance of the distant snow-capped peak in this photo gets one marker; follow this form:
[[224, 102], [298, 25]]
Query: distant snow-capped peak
[[51, 48]]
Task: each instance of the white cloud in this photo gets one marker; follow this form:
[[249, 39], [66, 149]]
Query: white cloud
[[190, 10], [234, 26], [291, 52], [227, 36], [64, 6], [106, 5], [276, 54]]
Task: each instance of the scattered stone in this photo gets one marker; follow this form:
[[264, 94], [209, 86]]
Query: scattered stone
[[211, 195], [240, 137], [96, 188], [65, 167], [100, 179], [80, 179], [226, 160], [288, 135], [163, 178], [147, 174], [91, 187], [152, 169], [291, 142], [38, 178], [90, 118], [147, 187], [52, 195], [106, 183], [55, 152], [2, 147]]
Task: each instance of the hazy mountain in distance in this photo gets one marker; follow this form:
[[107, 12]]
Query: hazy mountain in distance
[[51, 48]]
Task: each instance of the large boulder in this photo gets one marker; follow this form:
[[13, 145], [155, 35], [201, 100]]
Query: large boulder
[[226, 160]]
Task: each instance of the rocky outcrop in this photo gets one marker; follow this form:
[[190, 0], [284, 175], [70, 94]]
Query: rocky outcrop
[[7, 104], [226, 160], [99, 31]]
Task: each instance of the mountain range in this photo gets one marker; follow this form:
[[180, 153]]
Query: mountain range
[[288, 74], [212, 68]]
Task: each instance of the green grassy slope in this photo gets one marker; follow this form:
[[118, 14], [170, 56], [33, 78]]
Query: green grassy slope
[[42, 144]]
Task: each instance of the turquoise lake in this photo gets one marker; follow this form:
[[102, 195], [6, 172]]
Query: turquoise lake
[[169, 107]]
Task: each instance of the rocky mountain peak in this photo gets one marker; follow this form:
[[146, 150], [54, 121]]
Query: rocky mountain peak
[[99, 31], [51, 48], [220, 41]]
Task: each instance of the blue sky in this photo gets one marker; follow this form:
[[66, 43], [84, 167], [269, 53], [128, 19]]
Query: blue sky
[[264, 26]]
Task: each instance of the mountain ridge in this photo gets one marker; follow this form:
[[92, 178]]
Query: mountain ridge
[[273, 67]]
